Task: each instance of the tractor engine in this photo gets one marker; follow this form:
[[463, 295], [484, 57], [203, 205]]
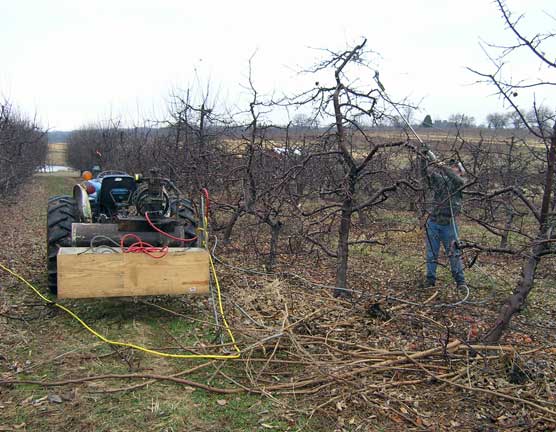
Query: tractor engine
[[151, 196], [115, 204]]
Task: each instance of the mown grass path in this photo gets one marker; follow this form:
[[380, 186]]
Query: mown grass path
[[42, 343]]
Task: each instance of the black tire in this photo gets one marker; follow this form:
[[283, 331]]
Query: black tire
[[62, 212], [185, 211], [56, 198]]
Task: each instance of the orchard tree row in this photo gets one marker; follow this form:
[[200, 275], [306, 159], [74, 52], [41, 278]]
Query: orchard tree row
[[23, 147]]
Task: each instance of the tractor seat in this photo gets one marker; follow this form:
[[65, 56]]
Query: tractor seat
[[115, 193]]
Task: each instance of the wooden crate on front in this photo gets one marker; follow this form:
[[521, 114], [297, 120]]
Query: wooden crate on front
[[83, 273]]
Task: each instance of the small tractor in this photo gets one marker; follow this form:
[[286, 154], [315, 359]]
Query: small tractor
[[91, 234]]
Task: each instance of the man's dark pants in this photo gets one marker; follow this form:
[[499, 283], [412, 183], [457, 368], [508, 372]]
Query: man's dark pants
[[447, 234]]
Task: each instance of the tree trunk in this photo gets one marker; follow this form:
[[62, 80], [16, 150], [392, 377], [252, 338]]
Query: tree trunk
[[274, 234], [516, 301], [343, 246], [350, 178], [363, 218], [230, 226], [504, 238]]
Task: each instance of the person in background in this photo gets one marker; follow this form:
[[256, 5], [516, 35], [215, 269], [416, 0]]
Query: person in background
[[445, 183]]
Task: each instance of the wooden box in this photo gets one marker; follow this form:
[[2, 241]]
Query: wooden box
[[83, 273]]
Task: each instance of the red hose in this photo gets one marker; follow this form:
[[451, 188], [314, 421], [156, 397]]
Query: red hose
[[158, 230], [205, 192], [143, 247]]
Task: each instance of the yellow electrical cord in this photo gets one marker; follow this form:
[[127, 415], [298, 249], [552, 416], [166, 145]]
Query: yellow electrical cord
[[138, 347]]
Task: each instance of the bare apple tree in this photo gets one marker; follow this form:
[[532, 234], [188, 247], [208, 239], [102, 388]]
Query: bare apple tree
[[542, 129], [355, 168], [261, 169]]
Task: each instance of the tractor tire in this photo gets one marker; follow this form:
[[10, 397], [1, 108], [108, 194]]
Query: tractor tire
[[56, 198], [185, 212], [62, 212]]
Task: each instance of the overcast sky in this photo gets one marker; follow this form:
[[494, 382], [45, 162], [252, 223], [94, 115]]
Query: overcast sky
[[74, 62]]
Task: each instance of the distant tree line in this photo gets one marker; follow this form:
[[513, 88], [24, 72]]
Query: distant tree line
[[58, 136], [497, 120]]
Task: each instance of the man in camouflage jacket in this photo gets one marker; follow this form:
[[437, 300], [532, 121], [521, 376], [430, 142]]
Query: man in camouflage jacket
[[444, 205]]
